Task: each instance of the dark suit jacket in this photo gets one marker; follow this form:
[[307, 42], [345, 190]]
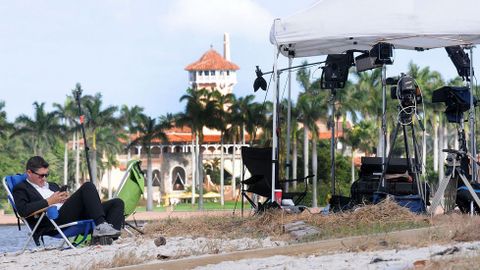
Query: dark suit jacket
[[28, 200]]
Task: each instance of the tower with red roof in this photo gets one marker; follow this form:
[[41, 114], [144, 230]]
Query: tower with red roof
[[214, 71]]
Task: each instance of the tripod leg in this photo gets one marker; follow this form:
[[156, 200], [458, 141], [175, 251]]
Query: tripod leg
[[440, 192], [385, 166], [470, 189]]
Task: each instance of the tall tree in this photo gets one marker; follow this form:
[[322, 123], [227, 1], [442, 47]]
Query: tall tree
[[360, 137], [222, 113], [151, 129], [129, 117], [429, 81], [109, 144], [98, 117], [199, 109], [40, 132], [312, 108], [67, 113], [4, 124], [368, 92]]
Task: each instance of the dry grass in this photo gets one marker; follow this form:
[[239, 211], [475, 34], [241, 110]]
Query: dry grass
[[121, 259], [380, 218], [383, 217], [465, 227]]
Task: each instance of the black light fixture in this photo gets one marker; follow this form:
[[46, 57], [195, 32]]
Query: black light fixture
[[457, 99], [461, 61], [383, 53], [259, 81], [335, 71]]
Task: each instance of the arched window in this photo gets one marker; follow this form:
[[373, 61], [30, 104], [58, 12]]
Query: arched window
[[156, 178], [178, 178]]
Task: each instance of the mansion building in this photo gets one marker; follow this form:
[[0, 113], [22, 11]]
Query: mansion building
[[172, 163]]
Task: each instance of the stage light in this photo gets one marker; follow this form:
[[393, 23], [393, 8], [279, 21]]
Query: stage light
[[335, 71], [461, 61], [365, 62], [457, 100], [383, 53], [259, 81]]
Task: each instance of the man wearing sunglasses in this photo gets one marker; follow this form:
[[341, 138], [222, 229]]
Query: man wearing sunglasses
[[36, 193]]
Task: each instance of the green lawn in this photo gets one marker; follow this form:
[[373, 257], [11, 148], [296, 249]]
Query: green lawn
[[229, 205]]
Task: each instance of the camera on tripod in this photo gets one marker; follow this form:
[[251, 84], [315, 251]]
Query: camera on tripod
[[405, 89]]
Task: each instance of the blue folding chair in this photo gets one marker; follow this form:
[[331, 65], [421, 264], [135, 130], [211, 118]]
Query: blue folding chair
[[81, 228]]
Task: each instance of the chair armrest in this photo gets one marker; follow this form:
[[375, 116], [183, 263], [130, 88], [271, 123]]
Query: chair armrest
[[51, 212], [303, 179], [37, 212]]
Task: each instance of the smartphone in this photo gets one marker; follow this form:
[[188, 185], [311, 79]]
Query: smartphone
[[63, 188]]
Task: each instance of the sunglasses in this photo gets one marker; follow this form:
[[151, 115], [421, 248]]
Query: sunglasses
[[42, 175]]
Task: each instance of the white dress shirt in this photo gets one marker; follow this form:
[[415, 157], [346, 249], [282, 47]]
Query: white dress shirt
[[45, 192]]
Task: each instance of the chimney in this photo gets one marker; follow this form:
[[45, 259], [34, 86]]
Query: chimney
[[226, 46]]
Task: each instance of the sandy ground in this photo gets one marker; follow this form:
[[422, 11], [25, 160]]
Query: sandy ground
[[143, 250], [136, 250], [382, 259]]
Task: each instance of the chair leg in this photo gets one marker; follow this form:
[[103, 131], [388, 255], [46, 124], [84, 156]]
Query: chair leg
[[128, 231], [62, 234], [133, 227], [32, 233]]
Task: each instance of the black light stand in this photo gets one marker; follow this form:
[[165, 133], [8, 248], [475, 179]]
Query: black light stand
[[260, 83], [457, 100], [464, 65], [333, 94], [77, 93], [334, 76]]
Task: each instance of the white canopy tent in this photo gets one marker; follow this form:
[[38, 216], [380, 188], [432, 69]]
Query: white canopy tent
[[336, 26]]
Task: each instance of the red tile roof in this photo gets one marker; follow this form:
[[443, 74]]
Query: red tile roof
[[212, 60]]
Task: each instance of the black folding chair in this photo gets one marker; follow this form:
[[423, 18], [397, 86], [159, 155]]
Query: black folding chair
[[258, 161]]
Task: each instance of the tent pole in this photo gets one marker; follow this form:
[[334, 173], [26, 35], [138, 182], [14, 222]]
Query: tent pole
[[332, 141], [384, 118], [274, 128], [473, 147], [289, 118]]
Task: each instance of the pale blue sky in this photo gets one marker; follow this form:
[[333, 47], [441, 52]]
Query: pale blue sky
[[134, 52]]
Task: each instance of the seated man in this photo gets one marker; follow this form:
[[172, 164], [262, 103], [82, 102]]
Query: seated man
[[36, 193]]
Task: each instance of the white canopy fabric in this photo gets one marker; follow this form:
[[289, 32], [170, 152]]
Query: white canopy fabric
[[335, 26]]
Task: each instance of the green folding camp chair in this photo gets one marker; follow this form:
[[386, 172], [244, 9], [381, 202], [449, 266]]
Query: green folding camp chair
[[130, 190]]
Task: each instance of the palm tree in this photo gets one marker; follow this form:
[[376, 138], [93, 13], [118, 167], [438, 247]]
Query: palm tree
[[199, 109], [109, 145], [246, 112], [40, 132], [129, 116], [367, 92], [360, 137], [151, 129], [67, 113], [311, 109], [96, 118], [223, 108], [4, 125], [239, 115], [428, 81], [110, 162]]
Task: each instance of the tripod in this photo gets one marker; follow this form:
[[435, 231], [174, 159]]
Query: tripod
[[413, 165], [457, 164]]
